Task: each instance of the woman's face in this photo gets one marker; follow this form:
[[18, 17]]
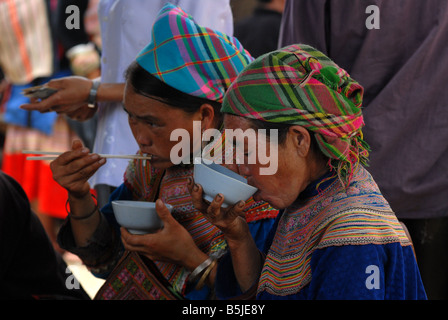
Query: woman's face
[[152, 123], [281, 188]]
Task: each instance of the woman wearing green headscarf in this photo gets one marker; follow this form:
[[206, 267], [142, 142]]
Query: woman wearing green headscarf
[[336, 236]]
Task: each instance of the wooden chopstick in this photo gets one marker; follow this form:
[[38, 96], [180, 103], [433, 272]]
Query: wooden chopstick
[[51, 155], [40, 152], [41, 158]]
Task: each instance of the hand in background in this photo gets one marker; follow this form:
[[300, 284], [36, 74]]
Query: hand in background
[[70, 99]]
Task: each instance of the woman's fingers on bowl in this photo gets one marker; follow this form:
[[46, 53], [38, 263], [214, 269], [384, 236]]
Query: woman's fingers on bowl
[[237, 210], [213, 209], [215, 205], [196, 195]]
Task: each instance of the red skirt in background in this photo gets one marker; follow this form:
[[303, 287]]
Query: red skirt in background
[[35, 176]]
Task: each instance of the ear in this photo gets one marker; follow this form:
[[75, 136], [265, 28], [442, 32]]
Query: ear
[[207, 116], [301, 140]]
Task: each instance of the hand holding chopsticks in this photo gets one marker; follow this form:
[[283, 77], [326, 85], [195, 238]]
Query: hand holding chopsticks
[[51, 155]]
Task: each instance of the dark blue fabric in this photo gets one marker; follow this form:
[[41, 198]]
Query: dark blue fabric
[[120, 193], [226, 285], [342, 272]]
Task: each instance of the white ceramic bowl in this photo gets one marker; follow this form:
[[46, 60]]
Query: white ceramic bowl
[[138, 217], [215, 178]]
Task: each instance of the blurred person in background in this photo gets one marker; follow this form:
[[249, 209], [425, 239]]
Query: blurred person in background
[[82, 47], [259, 32], [397, 50], [30, 55]]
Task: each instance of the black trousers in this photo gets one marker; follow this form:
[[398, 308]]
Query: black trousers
[[430, 238]]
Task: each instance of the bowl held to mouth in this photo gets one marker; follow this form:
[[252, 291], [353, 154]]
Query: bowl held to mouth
[[215, 178]]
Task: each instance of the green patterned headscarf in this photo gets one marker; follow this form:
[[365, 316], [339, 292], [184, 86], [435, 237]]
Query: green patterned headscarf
[[299, 85]]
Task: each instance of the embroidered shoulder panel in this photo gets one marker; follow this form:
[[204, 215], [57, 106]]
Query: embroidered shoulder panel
[[358, 215]]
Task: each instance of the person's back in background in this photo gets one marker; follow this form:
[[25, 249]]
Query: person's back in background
[[402, 66], [259, 32]]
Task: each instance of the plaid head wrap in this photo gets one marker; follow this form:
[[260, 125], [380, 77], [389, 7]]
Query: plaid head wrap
[[190, 58], [299, 85]]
